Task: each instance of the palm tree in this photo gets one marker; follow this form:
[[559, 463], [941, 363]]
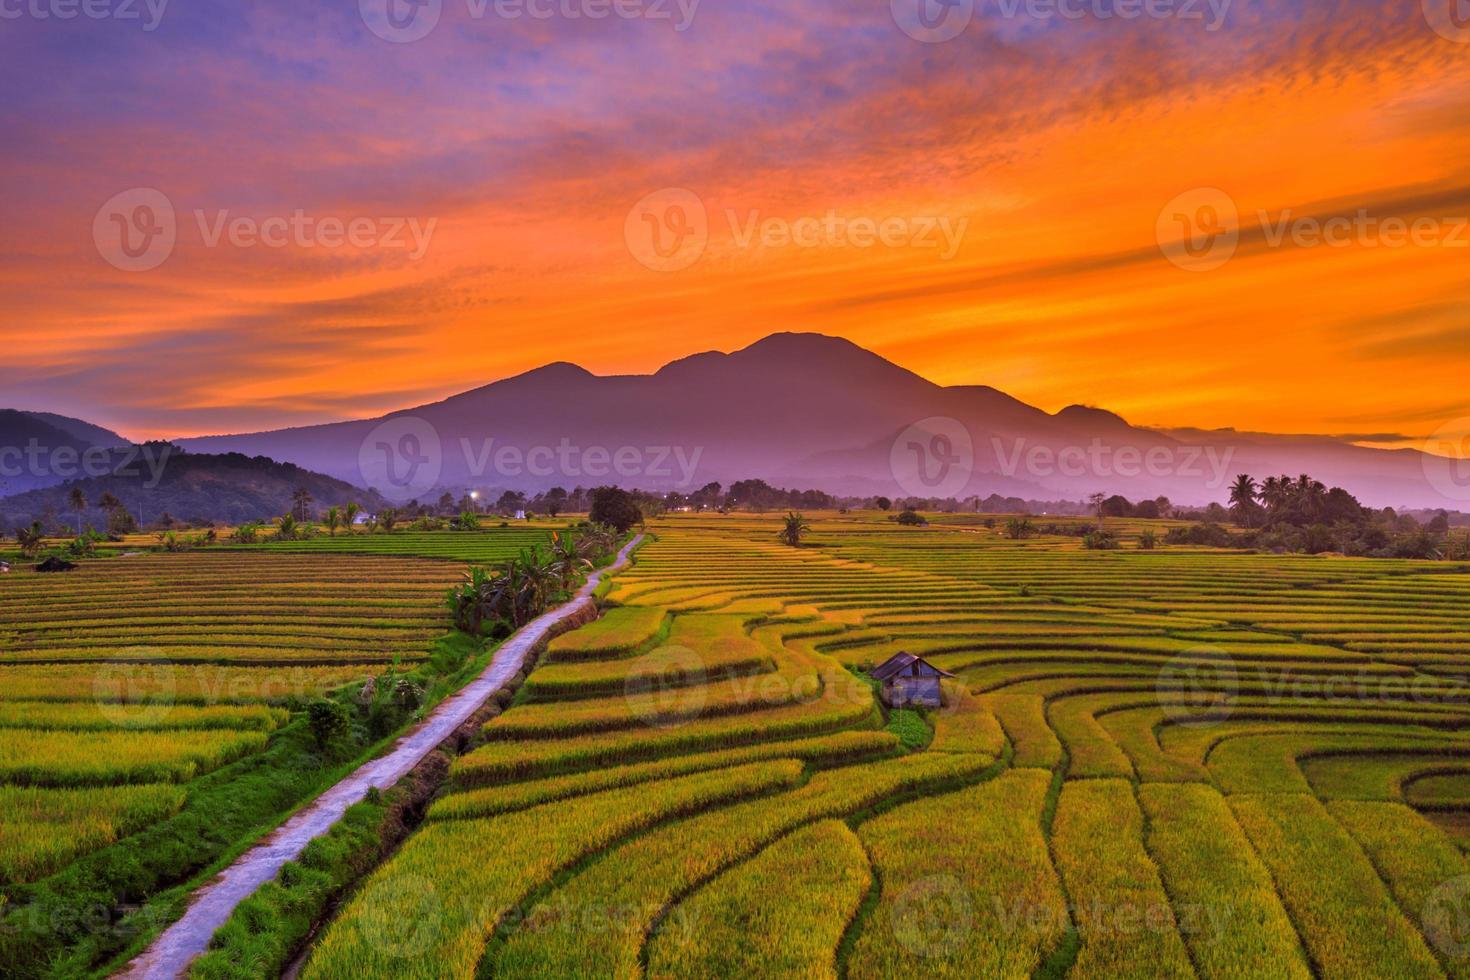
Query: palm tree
[[78, 501], [1096, 500], [538, 582], [1243, 499], [288, 530], [349, 515], [567, 561], [794, 528], [1274, 492], [1310, 496], [30, 539], [388, 517], [333, 520], [301, 500]]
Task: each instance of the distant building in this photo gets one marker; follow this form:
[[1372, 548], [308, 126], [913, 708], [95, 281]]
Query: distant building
[[908, 679]]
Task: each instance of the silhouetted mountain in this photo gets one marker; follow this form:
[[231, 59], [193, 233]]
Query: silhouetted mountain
[[39, 449], [810, 410], [156, 479]]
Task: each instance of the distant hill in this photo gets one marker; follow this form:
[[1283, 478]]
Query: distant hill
[[40, 449], [813, 411], [228, 488]]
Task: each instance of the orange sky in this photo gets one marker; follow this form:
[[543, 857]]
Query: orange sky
[[1057, 145]]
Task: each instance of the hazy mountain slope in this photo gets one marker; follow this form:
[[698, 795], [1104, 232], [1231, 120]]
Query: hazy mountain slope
[[229, 488], [39, 449], [813, 410]]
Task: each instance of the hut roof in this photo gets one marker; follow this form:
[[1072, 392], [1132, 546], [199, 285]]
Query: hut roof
[[898, 662]]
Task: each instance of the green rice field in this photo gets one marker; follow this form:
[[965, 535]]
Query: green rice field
[[1150, 763], [152, 714]]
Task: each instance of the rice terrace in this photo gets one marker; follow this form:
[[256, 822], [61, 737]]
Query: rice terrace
[[703, 489], [1171, 761]]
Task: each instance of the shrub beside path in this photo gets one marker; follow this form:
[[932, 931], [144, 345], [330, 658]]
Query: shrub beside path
[[212, 904]]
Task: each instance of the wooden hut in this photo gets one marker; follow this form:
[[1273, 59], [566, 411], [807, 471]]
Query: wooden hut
[[908, 679]]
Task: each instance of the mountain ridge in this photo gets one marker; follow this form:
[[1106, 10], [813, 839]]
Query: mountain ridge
[[813, 410]]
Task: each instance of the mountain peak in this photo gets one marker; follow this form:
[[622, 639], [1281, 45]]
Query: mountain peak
[[1090, 414], [556, 371], [807, 343]]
